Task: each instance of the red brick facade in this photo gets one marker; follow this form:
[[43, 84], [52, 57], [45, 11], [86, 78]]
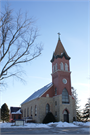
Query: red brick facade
[[58, 76]]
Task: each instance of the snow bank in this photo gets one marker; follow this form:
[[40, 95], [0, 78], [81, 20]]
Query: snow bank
[[62, 124], [49, 125], [65, 124], [40, 126], [26, 125], [81, 123]]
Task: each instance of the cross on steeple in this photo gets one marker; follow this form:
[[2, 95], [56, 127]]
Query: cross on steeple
[[58, 35]]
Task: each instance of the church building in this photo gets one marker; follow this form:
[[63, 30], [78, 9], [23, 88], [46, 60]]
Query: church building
[[55, 97]]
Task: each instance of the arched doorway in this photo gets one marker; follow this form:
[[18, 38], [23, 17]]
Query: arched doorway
[[66, 116]]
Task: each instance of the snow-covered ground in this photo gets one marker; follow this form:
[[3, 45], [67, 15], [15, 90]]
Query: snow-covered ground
[[65, 124], [62, 124], [26, 125], [81, 123], [49, 125]]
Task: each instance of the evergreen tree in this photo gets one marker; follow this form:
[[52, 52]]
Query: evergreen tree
[[4, 112], [78, 111], [86, 111]]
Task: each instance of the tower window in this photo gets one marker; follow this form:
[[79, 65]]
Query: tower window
[[55, 91], [66, 67], [61, 66], [56, 67], [65, 96], [47, 108]]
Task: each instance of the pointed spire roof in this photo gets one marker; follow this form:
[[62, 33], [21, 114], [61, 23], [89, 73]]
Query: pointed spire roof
[[60, 51]]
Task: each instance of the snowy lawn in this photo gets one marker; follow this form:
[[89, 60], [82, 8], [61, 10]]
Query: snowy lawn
[[62, 124], [49, 125], [26, 125], [35, 125], [65, 124]]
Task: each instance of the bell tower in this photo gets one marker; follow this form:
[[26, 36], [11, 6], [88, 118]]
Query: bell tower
[[61, 69]]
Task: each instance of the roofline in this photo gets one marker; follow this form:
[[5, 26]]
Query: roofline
[[28, 101], [47, 89], [39, 96], [14, 107]]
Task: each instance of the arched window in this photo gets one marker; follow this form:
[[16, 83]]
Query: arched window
[[65, 96], [31, 110], [61, 66], [35, 110], [47, 108], [65, 112], [55, 91], [24, 112], [27, 112], [66, 67], [56, 67]]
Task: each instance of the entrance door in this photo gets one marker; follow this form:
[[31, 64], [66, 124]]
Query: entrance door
[[66, 116]]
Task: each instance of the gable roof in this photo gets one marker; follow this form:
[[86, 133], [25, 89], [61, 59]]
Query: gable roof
[[17, 112], [60, 52], [38, 93], [14, 109]]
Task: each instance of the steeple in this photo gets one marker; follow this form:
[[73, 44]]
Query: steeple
[[59, 51]]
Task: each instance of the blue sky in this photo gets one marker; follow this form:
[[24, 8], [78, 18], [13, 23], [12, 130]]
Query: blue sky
[[71, 19]]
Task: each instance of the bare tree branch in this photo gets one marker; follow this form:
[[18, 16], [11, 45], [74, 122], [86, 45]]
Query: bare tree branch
[[18, 42]]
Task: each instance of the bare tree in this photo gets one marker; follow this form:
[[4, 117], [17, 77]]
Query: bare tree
[[17, 43]]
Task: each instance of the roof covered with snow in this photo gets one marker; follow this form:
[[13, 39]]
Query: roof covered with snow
[[38, 93], [18, 112], [15, 110]]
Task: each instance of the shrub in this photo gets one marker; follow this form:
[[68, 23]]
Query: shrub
[[49, 118]]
